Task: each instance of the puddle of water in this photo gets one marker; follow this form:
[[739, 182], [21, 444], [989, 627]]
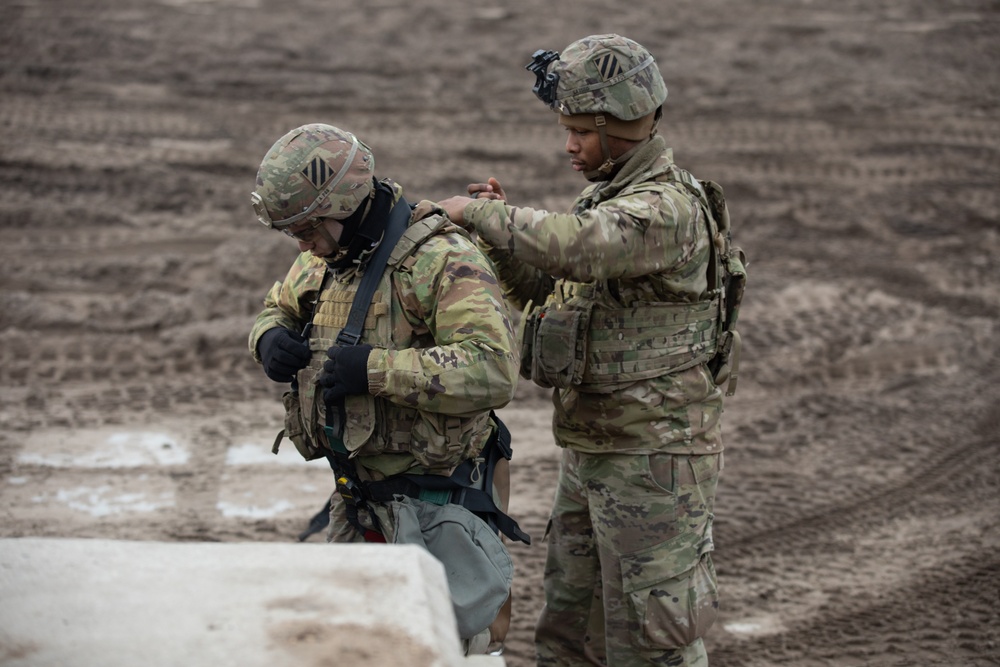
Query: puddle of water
[[103, 501], [245, 493], [756, 626], [254, 511], [116, 449]]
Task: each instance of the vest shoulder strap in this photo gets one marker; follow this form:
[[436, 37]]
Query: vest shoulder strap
[[414, 236], [399, 219]]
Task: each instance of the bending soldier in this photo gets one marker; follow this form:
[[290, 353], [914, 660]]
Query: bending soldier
[[392, 331]]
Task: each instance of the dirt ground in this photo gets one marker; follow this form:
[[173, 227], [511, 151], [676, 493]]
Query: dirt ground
[[858, 519]]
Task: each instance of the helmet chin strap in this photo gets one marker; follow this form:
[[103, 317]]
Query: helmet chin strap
[[330, 241], [610, 164], [602, 130], [347, 231], [363, 229]]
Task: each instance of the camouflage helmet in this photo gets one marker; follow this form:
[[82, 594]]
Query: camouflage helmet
[[309, 166], [600, 74]]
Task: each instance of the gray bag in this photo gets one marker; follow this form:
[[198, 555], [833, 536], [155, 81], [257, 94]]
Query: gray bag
[[476, 562]]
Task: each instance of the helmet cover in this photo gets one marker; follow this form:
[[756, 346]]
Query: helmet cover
[[309, 166], [606, 74]]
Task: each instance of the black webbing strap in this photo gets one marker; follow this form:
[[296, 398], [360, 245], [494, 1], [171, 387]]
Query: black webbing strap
[[477, 501], [399, 220], [343, 467]]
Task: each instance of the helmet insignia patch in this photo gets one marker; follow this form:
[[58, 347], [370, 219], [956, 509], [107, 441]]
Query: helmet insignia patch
[[318, 172], [608, 66]]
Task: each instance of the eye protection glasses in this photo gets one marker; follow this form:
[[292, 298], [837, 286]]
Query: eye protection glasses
[[306, 233]]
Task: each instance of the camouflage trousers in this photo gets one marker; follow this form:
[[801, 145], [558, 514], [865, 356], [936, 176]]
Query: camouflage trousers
[[629, 578]]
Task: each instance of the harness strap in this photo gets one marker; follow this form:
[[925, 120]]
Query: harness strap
[[355, 496], [345, 472], [461, 488], [353, 330], [399, 219]]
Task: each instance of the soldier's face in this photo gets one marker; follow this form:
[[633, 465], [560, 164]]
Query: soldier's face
[[318, 235], [584, 148]]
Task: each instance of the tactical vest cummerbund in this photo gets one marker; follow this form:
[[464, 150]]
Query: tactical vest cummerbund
[[646, 341], [593, 348]]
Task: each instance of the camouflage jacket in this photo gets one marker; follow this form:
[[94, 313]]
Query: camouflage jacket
[[444, 352], [637, 241]]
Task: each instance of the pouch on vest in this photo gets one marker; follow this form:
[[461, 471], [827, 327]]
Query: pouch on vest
[[476, 562], [559, 347], [440, 442], [526, 334], [725, 364], [295, 431]]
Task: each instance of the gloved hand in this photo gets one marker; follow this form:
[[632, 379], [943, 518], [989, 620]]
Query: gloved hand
[[283, 353], [346, 372]]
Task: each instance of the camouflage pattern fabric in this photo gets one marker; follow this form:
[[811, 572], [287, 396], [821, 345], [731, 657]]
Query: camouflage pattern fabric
[[641, 241], [608, 74], [444, 351], [633, 511], [309, 166], [641, 528]]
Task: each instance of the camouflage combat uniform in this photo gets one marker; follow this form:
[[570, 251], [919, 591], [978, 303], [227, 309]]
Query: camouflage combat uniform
[[622, 280], [443, 355]]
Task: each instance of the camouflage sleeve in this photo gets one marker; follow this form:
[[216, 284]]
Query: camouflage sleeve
[[288, 304], [452, 294], [649, 229], [521, 282]]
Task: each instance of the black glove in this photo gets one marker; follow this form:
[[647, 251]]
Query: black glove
[[346, 372], [283, 354]]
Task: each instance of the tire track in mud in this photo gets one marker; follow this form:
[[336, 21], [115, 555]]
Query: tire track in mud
[[836, 421], [948, 471], [124, 399], [888, 330], [125, 127], [838, 442], [957, 625], [83, 195], [854, 139], [836, 547]]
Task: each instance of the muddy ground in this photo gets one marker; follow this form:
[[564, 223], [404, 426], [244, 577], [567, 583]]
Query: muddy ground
[[859, 146]]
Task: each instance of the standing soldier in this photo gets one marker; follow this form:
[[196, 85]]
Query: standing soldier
[[393, 333], [628, 304]]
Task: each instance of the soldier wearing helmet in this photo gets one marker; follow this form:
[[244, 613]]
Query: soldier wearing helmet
[[606, 84], [622, 315], [395, 341]]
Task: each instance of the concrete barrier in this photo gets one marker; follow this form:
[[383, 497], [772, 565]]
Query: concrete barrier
[[107, 603]]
